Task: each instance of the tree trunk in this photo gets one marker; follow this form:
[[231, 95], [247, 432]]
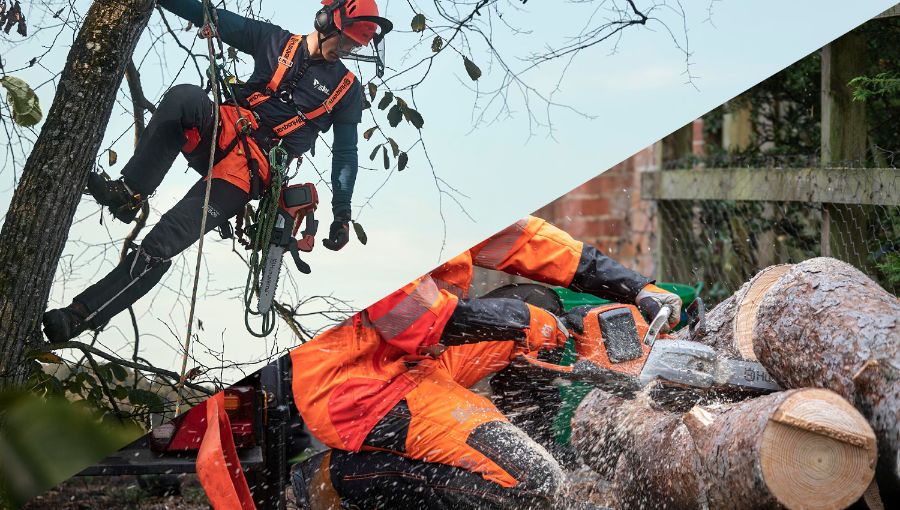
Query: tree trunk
[[40, 215], [823, 323], [805, 448]]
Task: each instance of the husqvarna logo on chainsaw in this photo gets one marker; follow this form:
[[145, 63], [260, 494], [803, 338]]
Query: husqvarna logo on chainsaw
[[320, 87]]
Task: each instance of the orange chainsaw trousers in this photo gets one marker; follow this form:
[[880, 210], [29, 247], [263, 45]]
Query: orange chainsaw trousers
[[449, 445]]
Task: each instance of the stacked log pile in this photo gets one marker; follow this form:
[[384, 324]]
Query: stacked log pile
[[831, 337]]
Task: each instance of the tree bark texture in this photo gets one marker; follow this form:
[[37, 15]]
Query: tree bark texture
[[43, 206], [823, 323], [803, 448]]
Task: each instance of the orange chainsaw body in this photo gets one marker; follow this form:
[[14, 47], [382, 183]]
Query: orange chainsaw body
[[591, 346]]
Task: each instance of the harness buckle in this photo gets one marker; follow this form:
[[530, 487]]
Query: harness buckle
[[285, 96], [243, 125]]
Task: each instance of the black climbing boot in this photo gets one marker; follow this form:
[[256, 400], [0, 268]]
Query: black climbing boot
[[63, 324], [122, 202]]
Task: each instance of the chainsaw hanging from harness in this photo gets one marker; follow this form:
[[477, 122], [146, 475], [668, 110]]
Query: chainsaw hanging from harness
[[275, 225]]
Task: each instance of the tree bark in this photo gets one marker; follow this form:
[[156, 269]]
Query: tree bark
[[805, 448], [40, 214], [823, 323]]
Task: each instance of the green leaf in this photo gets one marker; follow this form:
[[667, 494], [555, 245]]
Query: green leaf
[[401, 161], [120, 392], [394, 147], [394, 115], [360, 233], [437, 43], [368, 133], [113, 157], [26, 108], [140, 397], [232, 53], [414, 117], [374, 153], [118, 371], [418, 23], [472, 69], [366, 104], [387, 160], [373, 89], [385, 101]]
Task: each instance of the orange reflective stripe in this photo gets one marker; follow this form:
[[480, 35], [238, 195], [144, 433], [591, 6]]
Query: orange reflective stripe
[[285, 61], [218, 467], [498, 247], [408, 310], [294, 123], [450, 287]]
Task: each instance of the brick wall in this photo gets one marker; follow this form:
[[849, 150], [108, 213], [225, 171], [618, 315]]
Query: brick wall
[[607, 212]]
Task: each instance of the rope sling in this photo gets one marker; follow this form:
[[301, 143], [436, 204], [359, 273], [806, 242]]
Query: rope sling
[[266, 214]]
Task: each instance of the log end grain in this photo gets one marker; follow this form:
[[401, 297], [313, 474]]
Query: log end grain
[[745, 317], [817, 451]]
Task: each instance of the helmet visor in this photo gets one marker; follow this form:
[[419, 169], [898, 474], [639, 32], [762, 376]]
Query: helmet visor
[[357, 29]]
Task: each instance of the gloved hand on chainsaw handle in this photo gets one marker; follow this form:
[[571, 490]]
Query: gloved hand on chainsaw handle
[[652, 298], [545, 331]]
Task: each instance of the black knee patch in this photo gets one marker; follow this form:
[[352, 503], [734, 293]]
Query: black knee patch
[[529, 463], [391, 431]]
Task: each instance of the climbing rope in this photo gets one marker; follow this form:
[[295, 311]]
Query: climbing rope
[[264, 222], [211, 25]]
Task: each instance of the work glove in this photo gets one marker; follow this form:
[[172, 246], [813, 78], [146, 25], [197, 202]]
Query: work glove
[[652, 298], [545, 330], [338, 235]]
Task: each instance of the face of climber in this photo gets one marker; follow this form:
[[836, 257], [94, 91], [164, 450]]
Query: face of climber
[[337, 47]]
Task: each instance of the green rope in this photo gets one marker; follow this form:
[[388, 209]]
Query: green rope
[[264, 222]]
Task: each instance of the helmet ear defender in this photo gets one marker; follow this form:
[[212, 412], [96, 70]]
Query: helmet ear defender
[[324, 22]]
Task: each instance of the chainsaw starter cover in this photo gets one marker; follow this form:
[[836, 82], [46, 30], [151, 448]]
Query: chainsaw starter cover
[[620, 335]]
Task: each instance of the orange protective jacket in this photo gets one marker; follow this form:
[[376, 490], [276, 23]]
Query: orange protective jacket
[[346, 379]]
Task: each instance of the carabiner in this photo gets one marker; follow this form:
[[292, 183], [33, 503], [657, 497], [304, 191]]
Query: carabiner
[[243, 125]]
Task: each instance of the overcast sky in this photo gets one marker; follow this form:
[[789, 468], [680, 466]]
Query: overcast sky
[[613, 103]]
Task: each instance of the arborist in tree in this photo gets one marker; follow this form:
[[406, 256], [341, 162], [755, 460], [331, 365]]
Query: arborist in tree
[[387, 389], [299, 88]]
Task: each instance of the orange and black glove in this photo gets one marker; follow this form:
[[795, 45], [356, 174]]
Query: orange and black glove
[[652, 298], [545, 331]]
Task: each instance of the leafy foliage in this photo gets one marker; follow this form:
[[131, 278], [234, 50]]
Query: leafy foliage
[[26, 108]]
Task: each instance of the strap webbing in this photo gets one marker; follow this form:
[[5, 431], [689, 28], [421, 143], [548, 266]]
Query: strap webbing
[[298, 121], [285, 62]]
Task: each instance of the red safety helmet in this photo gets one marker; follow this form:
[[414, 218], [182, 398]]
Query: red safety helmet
[[357, 20]]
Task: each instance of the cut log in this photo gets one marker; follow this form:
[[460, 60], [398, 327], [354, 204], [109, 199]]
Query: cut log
[[806, 448], [825, 324]]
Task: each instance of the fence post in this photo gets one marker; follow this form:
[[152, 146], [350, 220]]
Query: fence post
[[844, 143]]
